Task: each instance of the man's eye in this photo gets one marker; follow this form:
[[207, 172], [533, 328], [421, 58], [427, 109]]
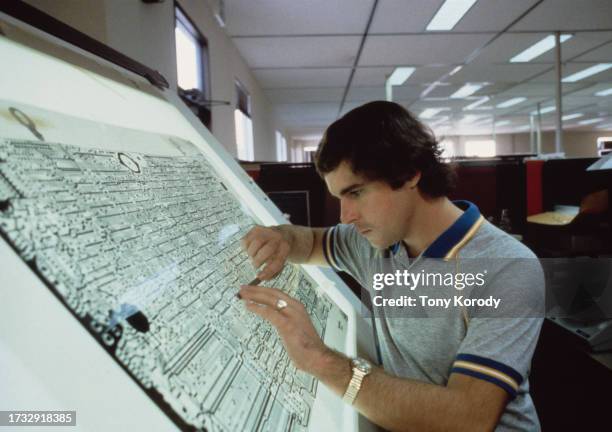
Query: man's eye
[[355, 193]]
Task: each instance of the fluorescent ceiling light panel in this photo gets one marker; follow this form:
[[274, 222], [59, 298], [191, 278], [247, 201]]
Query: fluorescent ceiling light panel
[[544, 110], [572, 116], [503, 123], [431, 112], [431, 87], [590, 121], [467, 90], [449, 14], [607, 92], [400, 75], [585, 73], [439, 121], [538, 49], [472, 118], [457, 69], [477, 103], [511, 102]]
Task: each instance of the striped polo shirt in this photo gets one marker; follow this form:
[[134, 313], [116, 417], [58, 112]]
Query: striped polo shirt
[[429, 343]]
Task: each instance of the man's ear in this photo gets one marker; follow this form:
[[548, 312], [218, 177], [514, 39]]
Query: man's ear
[[414, 181]]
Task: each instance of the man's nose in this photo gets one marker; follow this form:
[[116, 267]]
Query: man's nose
[[348, 212]]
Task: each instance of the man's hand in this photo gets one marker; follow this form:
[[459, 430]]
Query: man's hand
[[267, 247], [304, 346], [465, 404]]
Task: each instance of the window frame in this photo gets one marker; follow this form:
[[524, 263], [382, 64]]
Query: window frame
[[180, 16], [241, 88], [248, 153]]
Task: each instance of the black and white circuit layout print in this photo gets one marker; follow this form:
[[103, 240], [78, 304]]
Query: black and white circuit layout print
[[144, 251]]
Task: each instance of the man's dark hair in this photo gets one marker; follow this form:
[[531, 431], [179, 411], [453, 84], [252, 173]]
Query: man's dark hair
[[383, 141]]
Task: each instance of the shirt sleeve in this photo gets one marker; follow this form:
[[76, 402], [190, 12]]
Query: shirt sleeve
[[499, 345], [346, 250]]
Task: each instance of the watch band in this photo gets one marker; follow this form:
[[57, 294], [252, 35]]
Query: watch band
[[353, 389], [361, 368]]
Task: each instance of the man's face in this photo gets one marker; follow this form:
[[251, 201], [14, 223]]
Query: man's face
[[380, 214]]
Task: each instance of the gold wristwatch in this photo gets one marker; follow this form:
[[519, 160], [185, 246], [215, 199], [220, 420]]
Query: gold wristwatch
[[361, 368]]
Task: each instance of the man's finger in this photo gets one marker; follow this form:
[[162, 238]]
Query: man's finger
[[272, 315], [266, 302], [270, 270], [263, 254], [266, 296], [254, 247], [273, 293], [248, 236]]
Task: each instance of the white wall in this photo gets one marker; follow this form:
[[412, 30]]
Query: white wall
[[145, 32], [87, 16]]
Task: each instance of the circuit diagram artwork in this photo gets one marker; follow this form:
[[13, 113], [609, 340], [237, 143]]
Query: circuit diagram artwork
[[144, 251]]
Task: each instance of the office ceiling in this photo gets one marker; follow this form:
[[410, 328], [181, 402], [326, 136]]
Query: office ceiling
[[306, 55]]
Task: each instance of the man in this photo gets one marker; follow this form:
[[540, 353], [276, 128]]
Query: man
[[461, 370]]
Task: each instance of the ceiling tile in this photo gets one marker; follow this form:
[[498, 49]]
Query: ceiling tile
[[279, 17], [492, 15], [403, 16], [427, 74], [289, 95], [402, 93], [312, 51], [371, 76], [590, 90], [364, 94], [574, 48], [302, 78], [419, 49], [502, 49], [552, 15], [510, 44], [529, 89], [377, 76], [571, 68], [602, 54], [413, 16], [508, 72], [311, 114]]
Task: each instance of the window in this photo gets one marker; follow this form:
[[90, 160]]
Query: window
[[604, 145], [191, 55], [281, 147], [297, 155], [483, 148], [192, 67], [448, 149], [243, 123], [309, 152]]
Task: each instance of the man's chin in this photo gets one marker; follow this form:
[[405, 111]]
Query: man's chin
[[374, 241], [377, 244]]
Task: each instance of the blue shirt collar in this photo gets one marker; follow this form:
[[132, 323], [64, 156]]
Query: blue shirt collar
[[453, 235]]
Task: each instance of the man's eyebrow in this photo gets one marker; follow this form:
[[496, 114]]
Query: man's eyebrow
[[351, 188]]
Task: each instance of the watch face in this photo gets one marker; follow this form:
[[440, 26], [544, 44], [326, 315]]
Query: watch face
[[361, 364]]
